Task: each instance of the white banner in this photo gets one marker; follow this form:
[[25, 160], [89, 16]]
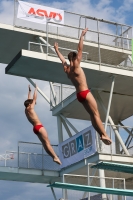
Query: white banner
[[39, 14], [78, 147]]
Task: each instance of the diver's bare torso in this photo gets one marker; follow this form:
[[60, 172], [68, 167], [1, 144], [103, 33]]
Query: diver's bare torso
[[77, 76], [32, 116]]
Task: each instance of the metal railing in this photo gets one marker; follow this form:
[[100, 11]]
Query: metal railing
[[100, 32], [31, 156], [62, 92], [116, 147], [110, 182], [80, 21]]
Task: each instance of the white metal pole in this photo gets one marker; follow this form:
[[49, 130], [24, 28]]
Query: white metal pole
[[66, 120], [64, 190], [53, 192], [5, 160], [109, 104], [113, 126], [66, 127], [53, 92], [14, 13], [102, 181], [28, 160], [60, 133], [45, 97], [88, 174], [51, 85], [99, 52], [118, 136], [48, 45]]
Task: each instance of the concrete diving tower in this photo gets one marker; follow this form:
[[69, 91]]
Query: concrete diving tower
[[108, 68]]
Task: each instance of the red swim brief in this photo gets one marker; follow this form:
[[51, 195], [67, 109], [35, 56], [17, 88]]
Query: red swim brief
[[81, 96], [36, 128]]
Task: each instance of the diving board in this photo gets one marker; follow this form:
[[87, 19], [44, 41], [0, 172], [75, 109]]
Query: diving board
[[49, 68], [86, 188], [114, 167]]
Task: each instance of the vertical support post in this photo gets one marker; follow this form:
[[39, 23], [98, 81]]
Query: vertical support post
[[102, 181], [28, 161], [97, 142], [5, 159], [88, 174], [64, 190], [47, 37], [85, 27], [124, 188], [60, 134], [117, 145], [116, 35], [14, 13], [99, 52], [61, 93], [109, 104], [127, 42], [53, 92], [18, 155], [113, 187], [121, 37], [29, 46], [79, 27]]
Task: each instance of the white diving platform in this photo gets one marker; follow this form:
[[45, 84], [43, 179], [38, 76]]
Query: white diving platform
[[28, 175], [49, 68]]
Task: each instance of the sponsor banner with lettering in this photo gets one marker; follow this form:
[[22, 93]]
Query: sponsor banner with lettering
[[39, 14], [78, 147]]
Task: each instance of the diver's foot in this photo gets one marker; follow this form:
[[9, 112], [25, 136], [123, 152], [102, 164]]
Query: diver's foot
[[57, 160], [106, 140]]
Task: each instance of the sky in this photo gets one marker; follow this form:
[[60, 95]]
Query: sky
[[13, 91]]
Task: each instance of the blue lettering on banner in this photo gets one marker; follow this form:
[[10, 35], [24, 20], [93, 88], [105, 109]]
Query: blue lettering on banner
[[88, 150], [79, 141]]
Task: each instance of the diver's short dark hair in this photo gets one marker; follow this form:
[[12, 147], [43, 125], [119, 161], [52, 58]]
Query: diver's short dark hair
[[72, 55], [27, 102]]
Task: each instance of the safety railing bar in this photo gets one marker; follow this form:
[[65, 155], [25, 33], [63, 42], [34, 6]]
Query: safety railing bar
[[64, 86], [36, 143], [90, 30], [84, 176], [94, 18], [107, 177], [53, 46], [126, 30], [119, 126]]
